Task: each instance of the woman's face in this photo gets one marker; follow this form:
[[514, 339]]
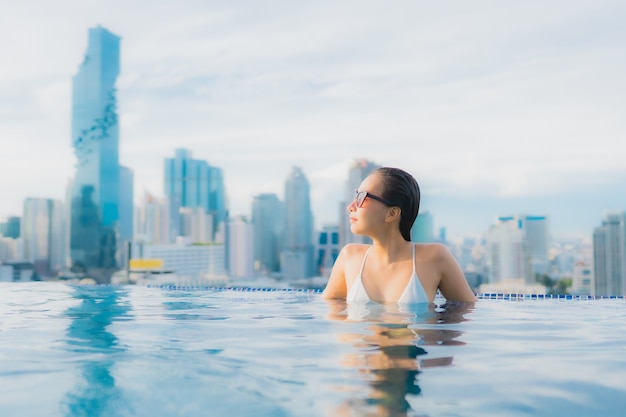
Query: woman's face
[[371, 213]]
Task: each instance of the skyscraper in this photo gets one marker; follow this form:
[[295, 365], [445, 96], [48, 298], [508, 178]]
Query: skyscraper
[[151, 223], [268, 222], [327, 250], [240, 248], [423, 228], [358, 171], [96, 209], [508, 254], [194, 183], [43, 233], [296, 258], [11, 227], [535, 232], [609, 254]]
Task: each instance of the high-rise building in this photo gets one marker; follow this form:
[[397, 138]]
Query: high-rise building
[[296, 258], [11, 227], [11, 249], [508, 256], [240, 248], [423, 228], [358, 171], [98, 216], [152, 220], [197, 224], [535, 232], [267, 220], [609, 254], [194, 183], [327, 250], [43, 233], [582, 279]]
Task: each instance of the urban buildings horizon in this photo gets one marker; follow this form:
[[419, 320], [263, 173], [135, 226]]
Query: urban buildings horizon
[[102, 229]]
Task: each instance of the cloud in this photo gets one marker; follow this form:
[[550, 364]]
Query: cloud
[[500, 99]]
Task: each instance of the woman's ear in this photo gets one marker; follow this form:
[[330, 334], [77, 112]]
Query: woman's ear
[[393, 214]]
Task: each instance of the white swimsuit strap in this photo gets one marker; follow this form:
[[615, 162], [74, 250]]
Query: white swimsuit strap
[[363, 263]]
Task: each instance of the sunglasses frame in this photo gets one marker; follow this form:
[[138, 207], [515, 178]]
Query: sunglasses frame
[[358, 200]]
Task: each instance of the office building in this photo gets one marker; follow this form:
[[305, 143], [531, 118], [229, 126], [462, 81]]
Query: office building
[[192, 183], [97, 209], [152, 220], [190, 263], [582, 279], [508, 257], [296, 258], [423, 228], [43, 235], [240, 248], [196, 224], [11, 227], [536, 240], [609, 254], [268, 222], [327, 250]]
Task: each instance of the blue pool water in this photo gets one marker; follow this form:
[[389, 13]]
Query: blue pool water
[[139, 351]]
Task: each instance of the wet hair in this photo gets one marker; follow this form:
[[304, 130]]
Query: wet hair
[[400, 187]]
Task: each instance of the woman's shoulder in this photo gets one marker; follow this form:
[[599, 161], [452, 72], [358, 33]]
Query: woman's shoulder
[[353, 249], [433, 250]]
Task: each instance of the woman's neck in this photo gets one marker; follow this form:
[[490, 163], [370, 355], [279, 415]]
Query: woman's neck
[[391, 249]]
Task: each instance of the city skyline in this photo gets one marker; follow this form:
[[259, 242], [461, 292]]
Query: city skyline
[[509, 108]]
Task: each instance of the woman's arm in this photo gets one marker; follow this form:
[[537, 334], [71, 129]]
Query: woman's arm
[[453, 285], [336, 285]]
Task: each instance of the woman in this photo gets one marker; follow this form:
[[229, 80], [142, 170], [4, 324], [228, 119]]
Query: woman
[[393, 269]]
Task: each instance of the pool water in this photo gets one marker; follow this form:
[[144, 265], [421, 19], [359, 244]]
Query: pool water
[[139, 351]]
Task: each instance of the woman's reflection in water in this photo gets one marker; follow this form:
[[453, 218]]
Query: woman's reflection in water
[[389, 354]]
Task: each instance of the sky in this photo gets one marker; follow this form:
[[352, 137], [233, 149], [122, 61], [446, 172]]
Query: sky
[[496, 107]]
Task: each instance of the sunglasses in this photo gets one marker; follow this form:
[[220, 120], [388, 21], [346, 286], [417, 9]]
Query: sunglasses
[[360, 196]]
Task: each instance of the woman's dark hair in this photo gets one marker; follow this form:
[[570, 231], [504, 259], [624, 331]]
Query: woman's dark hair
[[400, 187]]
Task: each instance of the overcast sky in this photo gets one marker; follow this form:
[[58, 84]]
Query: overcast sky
[[496, 107]]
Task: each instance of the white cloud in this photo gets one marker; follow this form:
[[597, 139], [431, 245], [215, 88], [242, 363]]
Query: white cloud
[[499, 98]]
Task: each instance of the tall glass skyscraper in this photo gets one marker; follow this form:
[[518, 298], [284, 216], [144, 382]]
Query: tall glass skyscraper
[[96, 206], [43, 235], [609, 254], [296, 257], [267, 218], [194, 183]]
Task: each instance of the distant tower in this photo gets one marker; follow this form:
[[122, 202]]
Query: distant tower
[[508, 254], [268, 222], [152, 220], [97, 212], [43, 234], [296, 258], [327, 250], [609, 254], [194, 183], [535, 232], [359, 170], [423, 228], [582, 279], [240, 248], [10, 228]]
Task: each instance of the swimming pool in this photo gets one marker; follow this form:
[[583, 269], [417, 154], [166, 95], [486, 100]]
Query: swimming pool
[[139, 351]]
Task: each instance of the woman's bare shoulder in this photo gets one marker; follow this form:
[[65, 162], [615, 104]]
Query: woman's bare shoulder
[[433, 250], [355, 248]]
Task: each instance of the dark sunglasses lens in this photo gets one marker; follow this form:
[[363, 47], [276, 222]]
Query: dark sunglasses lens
[[360, 197]]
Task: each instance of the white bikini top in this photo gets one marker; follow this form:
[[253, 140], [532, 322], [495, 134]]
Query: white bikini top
[[413, 293]]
